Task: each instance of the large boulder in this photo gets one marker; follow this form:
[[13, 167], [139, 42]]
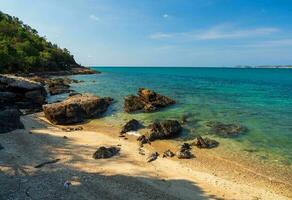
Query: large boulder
[[10, 120], [76, 109], [164, 130], [146, 100], [226, 130], [22, 92]]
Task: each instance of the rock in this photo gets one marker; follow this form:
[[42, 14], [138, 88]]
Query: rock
[[59, 86], [132, 104], [152, 157], [76, 109], [147, 100], [7, 97], [106, 152], [1, 147], [21, 92], [226, 130], [168, 153], [165, 129], [132, 125], [70, 129], [185, 147], [184, 155], [185, 152], [143, 140], [10, 120], [205, 143]]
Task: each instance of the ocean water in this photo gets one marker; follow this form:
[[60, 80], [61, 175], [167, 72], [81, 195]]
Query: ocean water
[[258, 99]]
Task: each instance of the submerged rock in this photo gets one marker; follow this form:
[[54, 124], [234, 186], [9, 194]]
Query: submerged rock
[[152, 157], [132, 125], [226, 130], [106, 152], [205, 143], [147, 100], [76, 109], [165, 129], [10, 120]]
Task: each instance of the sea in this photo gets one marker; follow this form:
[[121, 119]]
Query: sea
[[258, 99]]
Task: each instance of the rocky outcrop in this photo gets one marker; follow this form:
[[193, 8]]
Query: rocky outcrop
[[147, 100], [226, 130], [132, 125], [10, 120], [21, 92], [106, 152], [205, 143], [76, 109], [164, 130], [59, 86]]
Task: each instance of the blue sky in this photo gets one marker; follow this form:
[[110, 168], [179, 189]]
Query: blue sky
[[164, 32]]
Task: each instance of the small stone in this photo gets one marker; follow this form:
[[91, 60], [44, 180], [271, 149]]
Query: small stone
[[153, 157], [168, 153]]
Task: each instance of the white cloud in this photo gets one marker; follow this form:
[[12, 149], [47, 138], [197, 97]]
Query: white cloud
[[272, 43], [216, 33], [161, 35], [94, 17], [165, 16]]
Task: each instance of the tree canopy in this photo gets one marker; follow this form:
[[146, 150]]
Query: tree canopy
[[23, 50]]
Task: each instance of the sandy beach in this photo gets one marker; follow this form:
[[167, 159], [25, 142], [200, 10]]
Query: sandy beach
[[126, 176]]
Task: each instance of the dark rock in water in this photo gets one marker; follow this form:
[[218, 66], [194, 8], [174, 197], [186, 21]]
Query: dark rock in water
[[1, 147], [132, 125], [168, 153], [185, 152], [165, 129], [132, 103], [226, 130], [153, 157], [10, 120], [106, 152], [59, 86], [76, 109], [205, 143], [147, 100], [21, 92]]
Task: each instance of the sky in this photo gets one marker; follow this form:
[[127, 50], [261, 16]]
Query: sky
[[198, 33]]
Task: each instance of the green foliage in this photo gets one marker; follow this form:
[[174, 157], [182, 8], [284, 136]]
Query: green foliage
[[23, 50]]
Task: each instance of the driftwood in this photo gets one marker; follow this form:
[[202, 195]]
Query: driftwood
[[47, 162]]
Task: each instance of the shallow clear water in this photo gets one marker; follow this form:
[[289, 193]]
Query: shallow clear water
[[259, 99]]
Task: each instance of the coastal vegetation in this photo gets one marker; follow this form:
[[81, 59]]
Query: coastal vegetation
[[22, 49]]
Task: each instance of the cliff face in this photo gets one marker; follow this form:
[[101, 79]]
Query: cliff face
[[23, 50]]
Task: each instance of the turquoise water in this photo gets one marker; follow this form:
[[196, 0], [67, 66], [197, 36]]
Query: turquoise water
[[259, 99]]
